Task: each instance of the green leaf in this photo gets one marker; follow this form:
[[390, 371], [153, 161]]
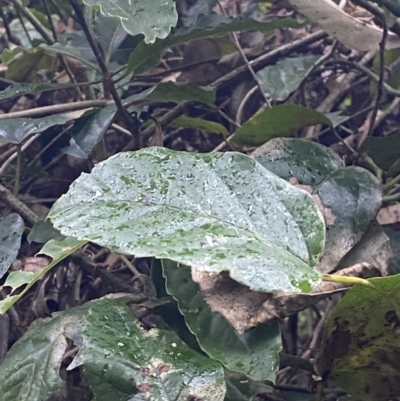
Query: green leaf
[[275, 122], [241, 388], [182, 92], [152, 18], [122, 361], [384, 151], [44, 231], [11, 230], [280, 80], [307, 161], [24, 89], [15, 130], [254, 353], [361, 345], [352, 198], [72, 50], [58, 251], [88, 130], [146, 56], [26, 67], [30, 371], [220, 212], [200, 124], [18, 278]]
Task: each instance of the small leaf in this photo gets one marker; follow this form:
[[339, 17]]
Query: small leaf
[[275, 122], [15, 130], [200, 124], [152, 18], [11, 230], [182, 92], [220, 212], [88, 130], [280, 80], [44, 231], [254, 353], [24, 89], [384, 151], [122, 361], [360, 351]]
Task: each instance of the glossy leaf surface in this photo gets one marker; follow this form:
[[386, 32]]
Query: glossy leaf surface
[[123, 361], [219, 212]]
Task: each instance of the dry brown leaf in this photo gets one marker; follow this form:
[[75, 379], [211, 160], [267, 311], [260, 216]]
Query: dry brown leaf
[[245, 309]]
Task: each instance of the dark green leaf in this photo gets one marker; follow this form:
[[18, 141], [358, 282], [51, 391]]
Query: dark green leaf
[[276, 122], [220, 212], [384, 151], [307, 161], [361, 345], [254, 353], [182, 92], [11, 230], [44, 231], [200, 124], [280, 80], [146, 56], [88, 131], [24, 89], [15, 130], [30, 371], [124, 362], [351, 198]]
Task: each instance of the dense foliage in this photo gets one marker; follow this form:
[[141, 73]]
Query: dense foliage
[[199, 200]]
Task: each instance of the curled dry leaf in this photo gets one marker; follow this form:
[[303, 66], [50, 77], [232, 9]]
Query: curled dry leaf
[[350, 31], [245, 309]]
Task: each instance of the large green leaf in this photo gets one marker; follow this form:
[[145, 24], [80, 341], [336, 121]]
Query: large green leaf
[[254, 353], [361, 343], [145, 56], [124, 362], [152, 18], [280, 80], [351, 197], [220, 212], [307, 161], [276, 122]]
